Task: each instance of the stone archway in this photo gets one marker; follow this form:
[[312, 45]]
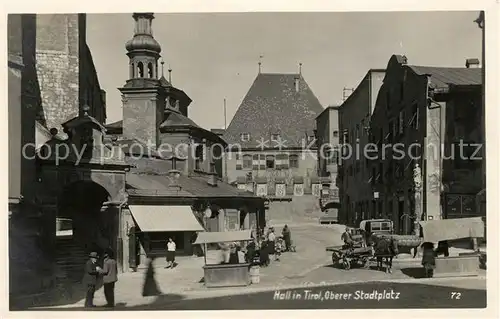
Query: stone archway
[[81, 202]]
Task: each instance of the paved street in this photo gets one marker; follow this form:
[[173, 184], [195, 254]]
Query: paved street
[[309, 266]]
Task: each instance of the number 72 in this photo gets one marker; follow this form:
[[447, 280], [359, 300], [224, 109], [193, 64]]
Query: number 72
[[456, 295]]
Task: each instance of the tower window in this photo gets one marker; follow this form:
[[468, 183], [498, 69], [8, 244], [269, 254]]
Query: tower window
[[150, 70], [140, 70]]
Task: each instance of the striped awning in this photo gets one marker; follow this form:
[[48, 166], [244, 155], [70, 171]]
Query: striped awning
[[223, 237], [165, 218]]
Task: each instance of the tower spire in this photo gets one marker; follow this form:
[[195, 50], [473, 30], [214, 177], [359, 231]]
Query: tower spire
[[260, 63], [169, 74], [300, 68], [143, 50], [162, 63]]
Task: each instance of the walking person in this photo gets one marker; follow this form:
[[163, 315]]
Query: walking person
[[287, 237], [92, 271], [428, 259], [171, 247], [110, 277], [271, 238]]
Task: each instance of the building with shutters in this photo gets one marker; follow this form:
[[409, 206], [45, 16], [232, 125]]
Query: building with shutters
[[354, 174], [434, 115], [271, 138]]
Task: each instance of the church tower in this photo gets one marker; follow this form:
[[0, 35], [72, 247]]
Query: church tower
[[143, 96]]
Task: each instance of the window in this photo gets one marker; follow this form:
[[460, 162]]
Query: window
[[247, 161], [270, 163], [335, 133], [401, 122], [198, 156], [346, 137], [294, 161], [245, 137], [275, 137], [415, 116]]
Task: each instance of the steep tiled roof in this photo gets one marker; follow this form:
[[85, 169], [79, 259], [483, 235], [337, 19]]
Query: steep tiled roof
[[442, 77], [272, 106], [191, 186]]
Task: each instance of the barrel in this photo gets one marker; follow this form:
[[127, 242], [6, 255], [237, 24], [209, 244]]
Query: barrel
[[255, 274]]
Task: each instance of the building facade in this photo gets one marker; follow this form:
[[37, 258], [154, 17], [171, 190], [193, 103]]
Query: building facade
[[429, 119], [327, 133], [354, 177], [51, 79], [174, 186], [271, 139]]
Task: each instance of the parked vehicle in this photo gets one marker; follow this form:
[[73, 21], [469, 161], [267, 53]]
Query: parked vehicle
[[331, 217]]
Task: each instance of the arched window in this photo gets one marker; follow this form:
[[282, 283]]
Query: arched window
[[150, 70], [140, 70]]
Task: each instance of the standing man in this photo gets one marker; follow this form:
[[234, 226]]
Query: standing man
[[110, 277], [92, 271]]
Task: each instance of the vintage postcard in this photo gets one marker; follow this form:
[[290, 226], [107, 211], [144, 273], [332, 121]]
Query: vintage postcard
[[243, 159]]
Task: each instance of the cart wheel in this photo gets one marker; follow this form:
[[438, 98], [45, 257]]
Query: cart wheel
[[365, 263], [335, 258], [346, 264]]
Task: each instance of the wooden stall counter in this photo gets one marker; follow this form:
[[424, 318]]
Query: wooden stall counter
[[226, 275]]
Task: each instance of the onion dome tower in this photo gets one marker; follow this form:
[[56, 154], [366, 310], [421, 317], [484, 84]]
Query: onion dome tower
[[143, 50]]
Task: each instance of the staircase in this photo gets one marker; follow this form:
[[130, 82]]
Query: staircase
[[70, 260]]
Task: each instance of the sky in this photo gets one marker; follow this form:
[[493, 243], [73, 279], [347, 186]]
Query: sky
[[214, 56]]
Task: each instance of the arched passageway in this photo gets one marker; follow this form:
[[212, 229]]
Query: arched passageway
[[84, 225]]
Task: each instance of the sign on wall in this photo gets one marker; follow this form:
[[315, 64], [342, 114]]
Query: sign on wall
[[316, 190], [280, 190], [242, 186], [298, 189], [261, 189]]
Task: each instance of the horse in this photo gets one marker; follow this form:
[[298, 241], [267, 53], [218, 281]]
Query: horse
[[386, 249]]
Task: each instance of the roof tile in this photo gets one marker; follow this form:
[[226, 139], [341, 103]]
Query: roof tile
[[272, 106], [443, 77]]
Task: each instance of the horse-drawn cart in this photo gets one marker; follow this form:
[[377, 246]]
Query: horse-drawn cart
[[347, 257]]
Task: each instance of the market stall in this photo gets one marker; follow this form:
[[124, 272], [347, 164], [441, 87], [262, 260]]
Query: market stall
[[224, 274], [435, 231]]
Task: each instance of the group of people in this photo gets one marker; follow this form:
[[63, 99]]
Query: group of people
[[268, 245], [94, 273]]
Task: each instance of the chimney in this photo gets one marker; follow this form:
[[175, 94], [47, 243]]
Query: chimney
[[297, 84], [472, 63], [212, 177]]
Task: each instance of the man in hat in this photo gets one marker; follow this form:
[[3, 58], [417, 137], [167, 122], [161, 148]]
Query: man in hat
[[92, 271], [110, 277]]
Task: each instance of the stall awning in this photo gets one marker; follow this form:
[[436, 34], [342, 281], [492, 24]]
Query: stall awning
[[165, 218], [450, 229], [223, 237]]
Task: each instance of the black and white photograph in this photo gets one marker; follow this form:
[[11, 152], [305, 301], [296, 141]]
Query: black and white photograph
[[249, 160]]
